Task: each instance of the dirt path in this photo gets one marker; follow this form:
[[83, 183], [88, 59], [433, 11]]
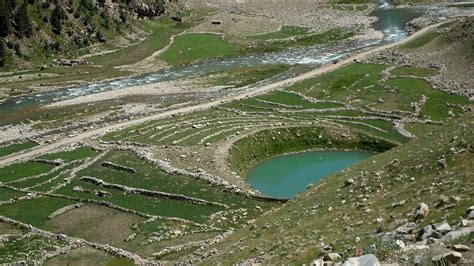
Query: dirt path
[[152, 62], [257, 91]]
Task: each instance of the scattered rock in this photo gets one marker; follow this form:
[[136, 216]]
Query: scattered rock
[[453, 235], [349, 182], [366, 260], [421, 211], [425, 232], [443, 228], [400, 203], [460, 248], [332, 257], [451, 257]]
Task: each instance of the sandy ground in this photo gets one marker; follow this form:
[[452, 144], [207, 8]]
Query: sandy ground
[[161, 88], [188, 109], [22, 77], [256, 17]]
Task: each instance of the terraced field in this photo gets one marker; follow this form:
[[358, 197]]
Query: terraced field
[[168, 188]]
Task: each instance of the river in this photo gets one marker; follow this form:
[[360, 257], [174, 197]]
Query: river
[[391, 21]]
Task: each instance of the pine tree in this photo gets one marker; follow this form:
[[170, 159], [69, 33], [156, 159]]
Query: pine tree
[[22, 21], [2, 53], [5, 15], [56, 17]]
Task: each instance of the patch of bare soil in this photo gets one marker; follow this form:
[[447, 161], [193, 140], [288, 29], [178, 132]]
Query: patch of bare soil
[[9, 229], [81, 256], [95, 223], [257, 17]]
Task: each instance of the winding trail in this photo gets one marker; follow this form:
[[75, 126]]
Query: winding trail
[[257, 91]]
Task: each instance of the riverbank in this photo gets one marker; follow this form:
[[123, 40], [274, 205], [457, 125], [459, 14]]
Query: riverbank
[[148, 184], [254, 92]]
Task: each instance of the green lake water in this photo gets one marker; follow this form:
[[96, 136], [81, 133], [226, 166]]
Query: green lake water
[[285, 176]]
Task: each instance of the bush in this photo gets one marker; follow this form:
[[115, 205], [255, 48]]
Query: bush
[[17, 49]]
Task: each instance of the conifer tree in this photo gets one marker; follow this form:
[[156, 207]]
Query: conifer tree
[[56, 17], [2, 53], [22, 21], [5, 14]]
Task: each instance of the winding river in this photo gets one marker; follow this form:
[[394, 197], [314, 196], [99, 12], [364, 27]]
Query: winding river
[[391, 21]]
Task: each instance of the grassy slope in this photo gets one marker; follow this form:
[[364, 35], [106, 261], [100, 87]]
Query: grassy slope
[[192, 47], [160, 30], [17, 147], [295, 231], [250, 150]]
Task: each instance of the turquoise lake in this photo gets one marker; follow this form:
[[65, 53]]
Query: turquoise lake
[[285, 176]]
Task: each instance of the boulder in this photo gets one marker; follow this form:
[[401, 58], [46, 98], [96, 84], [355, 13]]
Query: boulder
[[461, 248], [443, 200], [366, 260], [451, 257], [425, 232], [453, 235], [421, 211], [332, 257], [349, 182], [443, 228]]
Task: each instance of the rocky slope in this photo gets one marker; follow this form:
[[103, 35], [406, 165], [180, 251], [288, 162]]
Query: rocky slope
[[405, 205]]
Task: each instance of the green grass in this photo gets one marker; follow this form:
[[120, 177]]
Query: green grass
[[88, 256], [335, 85], [35, 211], [161, 31], [48, 180], [150, 205], [17, 147], [27, 249], [282, 33], [193, 47], [421, 41], [76, 154], [248, 151], [6, 193], [152, 178], [19, 170], [291, 233], [414, 71], [435, 107]]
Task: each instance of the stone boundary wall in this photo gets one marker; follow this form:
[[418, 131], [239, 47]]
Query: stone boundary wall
[[74, 241], [118, 167], [64, 210], [157, 194]]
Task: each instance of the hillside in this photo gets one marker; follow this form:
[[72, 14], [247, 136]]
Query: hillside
[[158, 168], [372, 201], [35, 32]]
